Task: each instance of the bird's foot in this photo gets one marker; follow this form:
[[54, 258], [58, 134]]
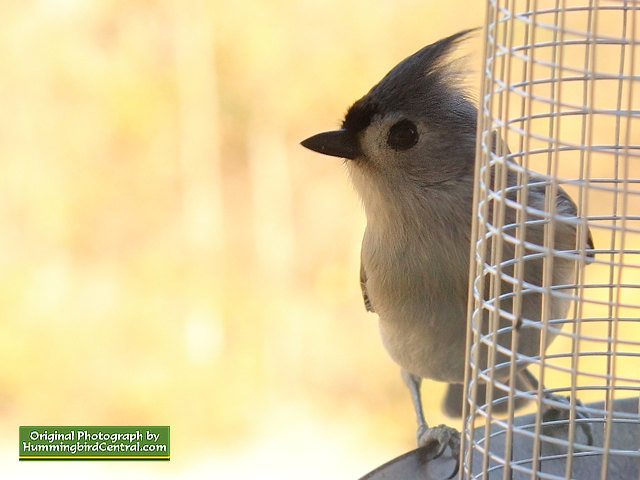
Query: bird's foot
[[442, 436], [555, 414]]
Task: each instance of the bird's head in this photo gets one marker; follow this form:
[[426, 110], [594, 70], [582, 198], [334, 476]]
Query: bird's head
[[415, 128]]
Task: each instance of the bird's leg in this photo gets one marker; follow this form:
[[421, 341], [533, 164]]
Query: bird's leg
[[443, 435], [414, 383], [552, 414]]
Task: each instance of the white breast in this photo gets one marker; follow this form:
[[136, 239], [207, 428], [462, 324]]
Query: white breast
[[419, 290]]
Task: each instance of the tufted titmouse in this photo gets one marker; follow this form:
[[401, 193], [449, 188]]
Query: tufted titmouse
[[410, 147]]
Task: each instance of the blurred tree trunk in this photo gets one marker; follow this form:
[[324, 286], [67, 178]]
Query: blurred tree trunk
[[200, 178], [199, 129], [270, 177]]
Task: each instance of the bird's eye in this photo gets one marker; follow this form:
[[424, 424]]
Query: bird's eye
[[403, 135]]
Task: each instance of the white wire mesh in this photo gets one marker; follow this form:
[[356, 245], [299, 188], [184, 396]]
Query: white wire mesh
[[559, 111]]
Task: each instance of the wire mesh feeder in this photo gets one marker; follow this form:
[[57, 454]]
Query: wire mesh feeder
[[561, 88]]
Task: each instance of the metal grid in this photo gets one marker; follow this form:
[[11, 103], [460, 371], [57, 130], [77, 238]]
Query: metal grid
[[559, 110]]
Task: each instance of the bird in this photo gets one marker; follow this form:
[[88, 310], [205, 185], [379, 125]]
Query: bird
[[409, 148]]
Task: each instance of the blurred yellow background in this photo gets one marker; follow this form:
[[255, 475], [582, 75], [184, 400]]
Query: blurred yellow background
[[170, 254]]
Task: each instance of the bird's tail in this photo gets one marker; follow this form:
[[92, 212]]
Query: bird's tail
[[452, 403]]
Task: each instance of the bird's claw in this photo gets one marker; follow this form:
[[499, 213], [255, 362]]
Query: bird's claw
[[553, 414], [444, 436]]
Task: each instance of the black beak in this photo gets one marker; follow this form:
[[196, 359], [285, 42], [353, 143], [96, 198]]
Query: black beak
[[337, 143]]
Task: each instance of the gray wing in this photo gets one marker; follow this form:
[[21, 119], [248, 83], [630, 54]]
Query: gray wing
[[565, 206], [363, 287]]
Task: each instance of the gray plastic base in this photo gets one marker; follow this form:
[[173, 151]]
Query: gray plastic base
[[623, 461]]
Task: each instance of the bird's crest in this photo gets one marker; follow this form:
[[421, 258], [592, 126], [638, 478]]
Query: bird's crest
[[422, 84]]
